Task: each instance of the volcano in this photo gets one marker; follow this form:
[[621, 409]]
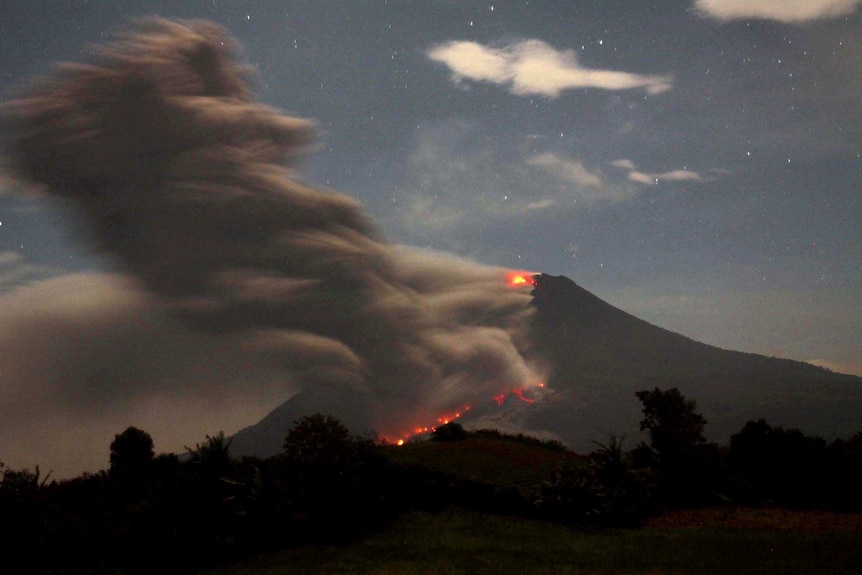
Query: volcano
[[596, 357]]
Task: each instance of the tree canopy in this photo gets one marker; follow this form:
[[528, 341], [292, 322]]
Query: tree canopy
[[318, 439], [131, 450], [673, 423]]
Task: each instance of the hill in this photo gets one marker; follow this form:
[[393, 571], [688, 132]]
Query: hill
[[597, 356], [499, 461]]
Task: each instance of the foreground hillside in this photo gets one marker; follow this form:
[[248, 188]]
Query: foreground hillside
[[457, 541], [471, 502]]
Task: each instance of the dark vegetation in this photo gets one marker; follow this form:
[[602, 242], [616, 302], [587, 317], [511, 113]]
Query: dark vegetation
[[459, 541], [162, 513]]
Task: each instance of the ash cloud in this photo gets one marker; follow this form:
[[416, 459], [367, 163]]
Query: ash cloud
[[86, 355], [190, 184]]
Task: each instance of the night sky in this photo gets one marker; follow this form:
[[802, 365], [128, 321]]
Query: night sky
[[694, 163]]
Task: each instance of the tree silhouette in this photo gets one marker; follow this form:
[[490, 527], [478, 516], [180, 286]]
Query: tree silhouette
[[685, 460], [131, 451], [674, 425], [333, 478], [318, 440]]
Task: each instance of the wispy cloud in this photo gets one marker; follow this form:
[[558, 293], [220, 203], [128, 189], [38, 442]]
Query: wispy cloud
[[16, 271], [672, 176], [533, 67], [624, 163], [654, 178], [568, 170], [789, 11], [459, 182], [577, 183]]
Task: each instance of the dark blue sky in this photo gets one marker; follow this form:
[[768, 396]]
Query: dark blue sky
[[696, 164]]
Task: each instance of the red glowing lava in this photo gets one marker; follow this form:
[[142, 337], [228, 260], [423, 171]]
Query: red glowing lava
[[500, 398], [442, 420], [518, 279], [520, 393]]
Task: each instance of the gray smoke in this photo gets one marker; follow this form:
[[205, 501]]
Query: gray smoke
[[189, 183]]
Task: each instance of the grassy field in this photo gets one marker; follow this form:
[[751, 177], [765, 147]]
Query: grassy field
[[456, 541]]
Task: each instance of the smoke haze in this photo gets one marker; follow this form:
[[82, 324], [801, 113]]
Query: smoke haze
[[188, 182]]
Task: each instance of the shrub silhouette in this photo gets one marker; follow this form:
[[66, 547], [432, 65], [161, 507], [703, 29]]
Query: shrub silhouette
[[571, 495], [212, 457], [777, 465], [452, 431], [843, 491]]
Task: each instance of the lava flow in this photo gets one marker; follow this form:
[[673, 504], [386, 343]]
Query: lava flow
[[442, 420], [520, 393]]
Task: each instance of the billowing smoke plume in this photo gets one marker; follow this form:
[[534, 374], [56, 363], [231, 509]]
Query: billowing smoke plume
[[186, 180]]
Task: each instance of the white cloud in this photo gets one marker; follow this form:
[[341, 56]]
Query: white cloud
[[533, 67], [679, 176], [641, 177], [652, 178], [672, 176], [789, 11]]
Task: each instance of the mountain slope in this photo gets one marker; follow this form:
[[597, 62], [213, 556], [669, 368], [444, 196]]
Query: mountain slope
[[597, 356]]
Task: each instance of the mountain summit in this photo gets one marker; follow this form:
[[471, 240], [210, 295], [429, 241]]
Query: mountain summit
[[597, 356]]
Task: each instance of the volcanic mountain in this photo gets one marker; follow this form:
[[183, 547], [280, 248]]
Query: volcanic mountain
[[596, 357]]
